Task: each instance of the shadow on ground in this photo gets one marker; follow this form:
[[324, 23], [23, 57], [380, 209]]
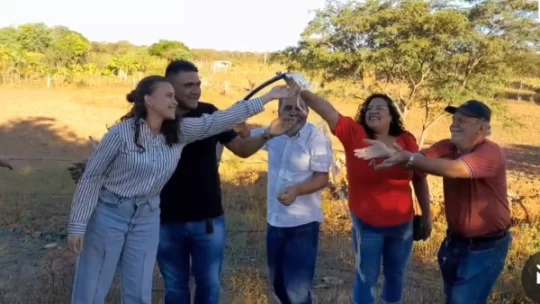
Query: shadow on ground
[[524, 158], [35, 267]]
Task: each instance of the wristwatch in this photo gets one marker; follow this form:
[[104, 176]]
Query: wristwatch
[[409, 163]]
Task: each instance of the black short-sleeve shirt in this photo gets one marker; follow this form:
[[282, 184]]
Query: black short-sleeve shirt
[[193, 193]]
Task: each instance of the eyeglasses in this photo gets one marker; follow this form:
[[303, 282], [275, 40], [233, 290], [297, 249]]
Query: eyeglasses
[[377, 108]]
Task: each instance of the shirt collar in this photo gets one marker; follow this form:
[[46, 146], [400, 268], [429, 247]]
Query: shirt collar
[[300, 132]]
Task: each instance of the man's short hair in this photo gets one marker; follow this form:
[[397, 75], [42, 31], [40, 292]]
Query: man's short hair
[[178, 66]]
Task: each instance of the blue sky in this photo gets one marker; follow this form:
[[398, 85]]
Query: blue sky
[[242, 25]]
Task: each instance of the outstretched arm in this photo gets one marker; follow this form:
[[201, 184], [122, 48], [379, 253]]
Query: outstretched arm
[[247, 146], [87, 192], [252, 141], [192, 129]]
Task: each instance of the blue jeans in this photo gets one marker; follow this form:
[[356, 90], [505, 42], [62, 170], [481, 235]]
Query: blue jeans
[[392, 245], [121, 232], [178, 242], [292, 254], [470, 270]]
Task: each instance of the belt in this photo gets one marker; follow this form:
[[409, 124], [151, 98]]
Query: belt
[[478, 239]]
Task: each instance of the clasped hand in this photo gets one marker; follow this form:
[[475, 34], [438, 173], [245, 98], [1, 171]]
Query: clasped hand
[[288, 196]]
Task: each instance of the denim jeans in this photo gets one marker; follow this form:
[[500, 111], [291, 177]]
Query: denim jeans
[[178, 242], [291, 255], [469, 270], [391, 245], [121, 232]]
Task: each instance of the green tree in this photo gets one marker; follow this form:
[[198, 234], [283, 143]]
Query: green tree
[[34, 37], [424, 54], [170, 50]]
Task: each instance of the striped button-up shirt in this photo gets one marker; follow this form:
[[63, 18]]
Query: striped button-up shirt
[[120, 167]]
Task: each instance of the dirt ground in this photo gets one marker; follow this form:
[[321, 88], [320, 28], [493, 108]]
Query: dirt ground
[[47, 129]]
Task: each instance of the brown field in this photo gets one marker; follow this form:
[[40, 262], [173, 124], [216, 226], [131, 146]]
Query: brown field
[[47, 129]]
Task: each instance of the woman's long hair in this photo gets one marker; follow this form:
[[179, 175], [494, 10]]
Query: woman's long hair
[[396, 124], [147, 86]]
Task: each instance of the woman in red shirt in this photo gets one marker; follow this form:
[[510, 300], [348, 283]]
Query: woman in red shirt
[[380, 201]]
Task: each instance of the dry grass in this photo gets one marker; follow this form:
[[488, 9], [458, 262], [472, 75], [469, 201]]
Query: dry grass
[[54, 124]]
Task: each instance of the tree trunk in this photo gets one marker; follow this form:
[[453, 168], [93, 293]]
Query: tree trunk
[[423, 136], [425, 129]]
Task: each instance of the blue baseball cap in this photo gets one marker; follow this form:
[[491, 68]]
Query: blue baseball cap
[[472, 108]]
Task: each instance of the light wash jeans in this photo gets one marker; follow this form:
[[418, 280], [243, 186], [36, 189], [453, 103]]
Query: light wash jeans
[[121, 232], [372, 245]]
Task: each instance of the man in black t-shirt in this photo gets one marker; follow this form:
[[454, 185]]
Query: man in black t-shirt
[[192, 217]]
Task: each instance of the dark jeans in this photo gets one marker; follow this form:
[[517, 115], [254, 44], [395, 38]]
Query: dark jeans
[[470, 270], [180, 241], [372, 245], [292, 255]]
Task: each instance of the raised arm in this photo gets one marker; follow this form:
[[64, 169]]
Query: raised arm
[[322, 107], [86, 195], [193, 129]]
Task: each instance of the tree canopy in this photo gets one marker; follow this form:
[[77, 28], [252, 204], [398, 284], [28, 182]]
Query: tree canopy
[[423, 53], [35, 50]]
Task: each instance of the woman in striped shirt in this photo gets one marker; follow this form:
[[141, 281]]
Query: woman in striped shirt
[[114, 217]]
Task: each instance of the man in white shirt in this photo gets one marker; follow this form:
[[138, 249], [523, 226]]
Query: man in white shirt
[[298, 169]]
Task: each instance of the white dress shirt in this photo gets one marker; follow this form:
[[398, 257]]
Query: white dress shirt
[[293, 160]]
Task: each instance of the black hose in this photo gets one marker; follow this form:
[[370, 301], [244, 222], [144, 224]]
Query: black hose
[[264, 85]]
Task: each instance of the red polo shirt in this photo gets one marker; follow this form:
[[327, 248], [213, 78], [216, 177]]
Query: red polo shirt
[[476, 206], [380, 198]]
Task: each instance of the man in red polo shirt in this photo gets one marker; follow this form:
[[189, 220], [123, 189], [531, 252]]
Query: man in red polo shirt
[[473, 168]]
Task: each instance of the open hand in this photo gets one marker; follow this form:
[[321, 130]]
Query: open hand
[[399, 157], [296, 80], [280, 126], [288, 196], [283, 91], [376, 149], [5, 163]]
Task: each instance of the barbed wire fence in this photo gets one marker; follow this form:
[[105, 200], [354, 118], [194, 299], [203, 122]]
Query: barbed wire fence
[[68, 193]]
